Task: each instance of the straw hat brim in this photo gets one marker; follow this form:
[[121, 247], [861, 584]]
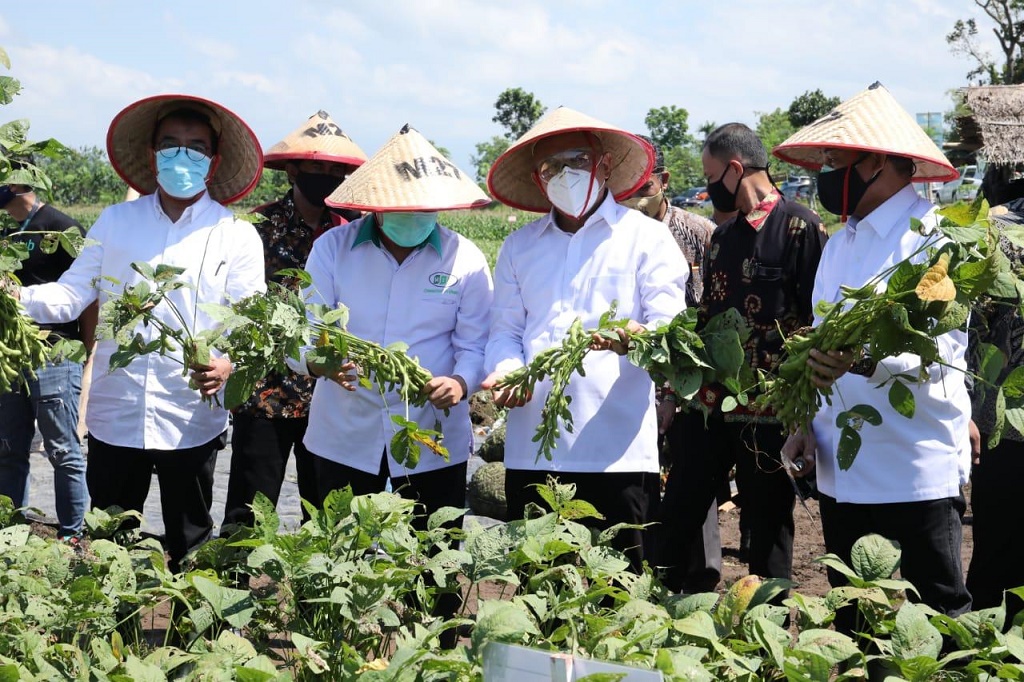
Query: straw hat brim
[[510, 179], [277, 161], [870, 121], [130, 146], [408, 174]]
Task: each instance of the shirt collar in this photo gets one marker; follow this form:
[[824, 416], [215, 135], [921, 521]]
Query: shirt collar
[[891, 213], [189, 214], [759, 214], [368, 232]]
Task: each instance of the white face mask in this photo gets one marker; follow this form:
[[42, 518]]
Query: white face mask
[[574, 192]]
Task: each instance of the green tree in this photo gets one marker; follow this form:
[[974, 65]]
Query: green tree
[[517, 111], [669, 127], [773, 128], [684, 167], [1008, 17], [705, 129], [486, 154], [809, 107], [84, 176], [272, 186]]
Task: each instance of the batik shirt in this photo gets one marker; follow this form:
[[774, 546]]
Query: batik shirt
[[763, 264], [693, 234], [287, 241]]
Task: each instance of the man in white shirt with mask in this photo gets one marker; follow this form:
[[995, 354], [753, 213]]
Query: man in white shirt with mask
[[584, 254], [906, 481], [190, 156]]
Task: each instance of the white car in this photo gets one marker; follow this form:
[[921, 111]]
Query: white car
[[964, 188]]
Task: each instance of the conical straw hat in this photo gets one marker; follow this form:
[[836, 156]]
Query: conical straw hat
[[130, 146], [511, 178], [318, 139], [873, 121], [408, 174]]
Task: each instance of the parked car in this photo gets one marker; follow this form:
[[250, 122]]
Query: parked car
[[964, 188], [801, 187], [690, 198]]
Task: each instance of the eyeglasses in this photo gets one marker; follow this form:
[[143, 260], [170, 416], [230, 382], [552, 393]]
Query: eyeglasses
[[195, 152], [576, 159]]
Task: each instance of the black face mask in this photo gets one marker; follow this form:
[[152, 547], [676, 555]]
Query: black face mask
[[721, 197], [831, 186], [316, 187], [6, 195]]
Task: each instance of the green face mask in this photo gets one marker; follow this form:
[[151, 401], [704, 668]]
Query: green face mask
[[408, 229], [649, 206]]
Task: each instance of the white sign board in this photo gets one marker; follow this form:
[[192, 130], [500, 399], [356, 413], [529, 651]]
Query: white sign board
[[510, 663]]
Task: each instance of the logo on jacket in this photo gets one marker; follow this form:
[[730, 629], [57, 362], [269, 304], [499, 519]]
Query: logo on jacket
[[443, 279]]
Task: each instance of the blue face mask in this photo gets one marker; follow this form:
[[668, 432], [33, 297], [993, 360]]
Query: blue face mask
[[408, 229], [181, 176]]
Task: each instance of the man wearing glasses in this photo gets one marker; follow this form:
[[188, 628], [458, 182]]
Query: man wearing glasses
[[585, 254], [190, 156], [317, 157]]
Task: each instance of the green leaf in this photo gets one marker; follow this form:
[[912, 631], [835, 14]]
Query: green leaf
[[913, 635], [849, 446], [339, 315], [4, 59], [234, 606], [1013, 384], [165, 273], [902, 399], [834, 647], [502, 621], [143, 268], [874, 557], [443, 516]]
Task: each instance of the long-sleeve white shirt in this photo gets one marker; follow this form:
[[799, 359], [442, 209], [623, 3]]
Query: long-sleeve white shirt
[[148, 404], [901, 460], [436, 301], [544, 279]]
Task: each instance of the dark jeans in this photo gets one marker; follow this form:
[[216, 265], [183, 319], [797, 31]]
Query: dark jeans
[[433, 489], [929, 534], [621, 497], [50, 403], [121, 476], [998, 560], [707, 456], [259, 457]]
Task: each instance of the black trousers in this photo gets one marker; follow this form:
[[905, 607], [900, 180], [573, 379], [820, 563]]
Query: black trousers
[[998, 561], [433, 489], [121, 476], [929, 534], [705, 457], [259, 456], [621, 497]]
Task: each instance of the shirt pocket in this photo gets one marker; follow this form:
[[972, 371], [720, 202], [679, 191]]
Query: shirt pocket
[[602, 291]]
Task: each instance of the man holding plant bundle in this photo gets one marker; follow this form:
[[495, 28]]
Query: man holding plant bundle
[[760, 263], [317, 157], [50, 400], [405, 279], [905, 482], [585, 254], [190, 156]]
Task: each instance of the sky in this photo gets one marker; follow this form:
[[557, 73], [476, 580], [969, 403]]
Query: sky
[[439, 65]]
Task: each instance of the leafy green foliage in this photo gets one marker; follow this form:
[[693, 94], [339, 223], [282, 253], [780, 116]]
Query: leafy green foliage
[[517, 110], [674, 354], [83, 176], [669, 127], [809, 107]]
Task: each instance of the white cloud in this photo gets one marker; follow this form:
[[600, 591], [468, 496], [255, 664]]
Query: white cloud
[[217, 50]]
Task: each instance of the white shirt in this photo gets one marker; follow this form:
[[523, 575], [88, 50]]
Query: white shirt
[[544, 279], [901, 460], [436, 301], [148, 404]]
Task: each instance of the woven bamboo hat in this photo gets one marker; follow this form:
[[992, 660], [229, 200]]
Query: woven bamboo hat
[[408, 174], [511, 178], [318, 139], [873, 121], [130, 146]]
